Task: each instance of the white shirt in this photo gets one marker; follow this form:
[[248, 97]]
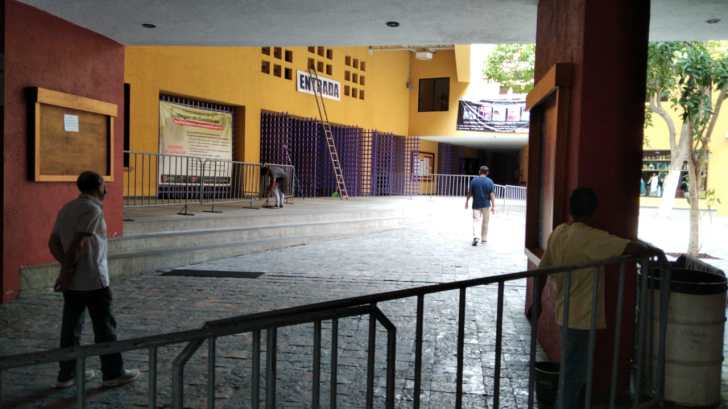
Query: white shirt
[[85, 215]]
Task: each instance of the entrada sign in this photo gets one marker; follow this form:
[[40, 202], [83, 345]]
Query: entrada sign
[[327, 87]]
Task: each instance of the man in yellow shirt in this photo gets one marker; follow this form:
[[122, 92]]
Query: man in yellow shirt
[[577, 243]]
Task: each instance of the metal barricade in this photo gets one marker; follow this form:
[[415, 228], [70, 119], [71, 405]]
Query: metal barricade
[[367, 305], [155, 179]]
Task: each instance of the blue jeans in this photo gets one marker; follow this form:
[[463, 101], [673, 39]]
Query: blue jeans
[[574, 371]]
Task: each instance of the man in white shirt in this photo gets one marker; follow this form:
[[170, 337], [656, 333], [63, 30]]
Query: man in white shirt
[[79, 243]]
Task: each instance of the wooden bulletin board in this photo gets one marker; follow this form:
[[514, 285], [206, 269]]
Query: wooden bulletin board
[[549, 105], [71, 134]]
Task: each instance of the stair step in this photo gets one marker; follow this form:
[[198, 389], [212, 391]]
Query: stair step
[[197, 247]]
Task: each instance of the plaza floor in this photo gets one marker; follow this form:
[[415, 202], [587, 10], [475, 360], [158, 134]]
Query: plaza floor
[[433, 248]]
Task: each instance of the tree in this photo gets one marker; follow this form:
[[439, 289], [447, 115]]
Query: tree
[[701, 73], [512, 66], [662, 85]]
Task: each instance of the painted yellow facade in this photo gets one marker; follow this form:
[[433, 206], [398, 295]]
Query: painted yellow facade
[[656, 138], [232, 76]]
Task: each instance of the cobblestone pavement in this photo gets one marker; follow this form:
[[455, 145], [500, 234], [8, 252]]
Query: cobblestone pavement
[[434, 249]]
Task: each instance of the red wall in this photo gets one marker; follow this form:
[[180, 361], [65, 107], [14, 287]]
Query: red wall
[[607, 43], [44, 51]]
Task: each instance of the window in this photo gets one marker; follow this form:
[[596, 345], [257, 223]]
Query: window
[[361, 94], [347, 90], [329, 69], [361, 80], [363, 66], [311, 64], [347, 75], [434, 94], [320, 66], [311, 49], [265, 50], [329, 54], [289, 56], [288, 74], [265, 67], [347, 61], [277, 52], [320, 51], [277, 70]]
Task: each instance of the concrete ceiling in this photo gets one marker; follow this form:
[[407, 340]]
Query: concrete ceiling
[[487, 140], [351, 22]]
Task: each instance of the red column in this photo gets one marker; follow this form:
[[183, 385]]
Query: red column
[[606, 41]]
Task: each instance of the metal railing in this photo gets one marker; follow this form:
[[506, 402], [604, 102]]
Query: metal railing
[[457, 186], [155, 179], [367, 305]]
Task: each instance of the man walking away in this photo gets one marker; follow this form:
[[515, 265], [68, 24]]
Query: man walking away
[[577, 243], [482, 189], [278, 183], [79, 243]]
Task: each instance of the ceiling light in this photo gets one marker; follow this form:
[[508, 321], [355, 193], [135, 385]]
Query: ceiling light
[[392, 24], [149, 25], [712, 20]]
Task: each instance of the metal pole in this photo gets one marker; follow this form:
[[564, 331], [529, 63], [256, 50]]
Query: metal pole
[[617, 338], [592, 341], [81, 382], [255, 379], [535, 312], [211, 373], [460, 351], [498, 347], [370, 361], [641, 326], [316, 383], [334, 361], [270, 388], [418, 351], [152, 388], [564, 340], [666, 276]]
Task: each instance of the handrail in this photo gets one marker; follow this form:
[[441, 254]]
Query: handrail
[[354, 306]]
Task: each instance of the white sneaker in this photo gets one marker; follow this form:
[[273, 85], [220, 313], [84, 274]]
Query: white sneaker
[[128, 376], [90, 374]]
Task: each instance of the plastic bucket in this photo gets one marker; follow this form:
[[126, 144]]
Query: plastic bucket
[[547, 381]]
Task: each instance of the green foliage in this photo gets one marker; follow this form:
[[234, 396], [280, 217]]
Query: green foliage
[[512, 66]]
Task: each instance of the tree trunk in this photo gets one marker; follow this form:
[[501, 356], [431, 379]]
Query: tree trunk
[[694, 189], [678, 156]]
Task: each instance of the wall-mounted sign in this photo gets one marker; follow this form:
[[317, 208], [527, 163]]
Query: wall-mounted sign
[[328, 88], [423, 165], [187, 131], [495, 115]]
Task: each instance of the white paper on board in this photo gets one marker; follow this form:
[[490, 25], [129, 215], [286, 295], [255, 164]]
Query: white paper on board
[[70, 123]]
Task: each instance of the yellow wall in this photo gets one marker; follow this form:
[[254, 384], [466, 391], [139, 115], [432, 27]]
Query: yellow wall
[[435, 123], [656, 138], [232, 75]]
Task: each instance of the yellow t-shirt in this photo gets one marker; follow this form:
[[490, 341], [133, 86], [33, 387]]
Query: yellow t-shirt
[[576, 243]]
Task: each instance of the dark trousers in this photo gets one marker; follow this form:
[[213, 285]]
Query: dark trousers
[[98, 303], [574, 373]]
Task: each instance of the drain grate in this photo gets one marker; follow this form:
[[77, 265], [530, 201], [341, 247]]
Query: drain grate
[[213, 273]]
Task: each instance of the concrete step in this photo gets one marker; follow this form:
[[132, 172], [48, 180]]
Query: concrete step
[[252, 217], [183, 239], [153, 251]]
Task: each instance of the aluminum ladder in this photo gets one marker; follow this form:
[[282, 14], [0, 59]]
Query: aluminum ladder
[[333, 153]]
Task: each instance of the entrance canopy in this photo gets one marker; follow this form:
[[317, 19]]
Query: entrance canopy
[[346, 22]]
